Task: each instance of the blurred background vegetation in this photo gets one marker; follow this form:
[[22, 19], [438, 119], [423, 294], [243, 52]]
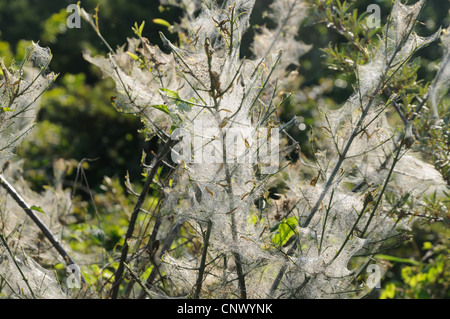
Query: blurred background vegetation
[[77, 121]]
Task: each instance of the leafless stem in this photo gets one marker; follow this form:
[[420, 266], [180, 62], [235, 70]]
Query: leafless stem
[[203, 261], [47, 233]]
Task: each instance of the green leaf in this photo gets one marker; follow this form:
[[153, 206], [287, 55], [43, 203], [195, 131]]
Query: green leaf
[[162, 22], [389, 292], [179, 102], [141, 27], [134, 56], [37, 209], [138, 29], [285, 230], [252, 219], [59, 266], [183, 106], [171, 94], [146, 273]]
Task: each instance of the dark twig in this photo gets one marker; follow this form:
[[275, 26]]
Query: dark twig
[[154, 168], [47, 233], [166, 246], [203, 261]]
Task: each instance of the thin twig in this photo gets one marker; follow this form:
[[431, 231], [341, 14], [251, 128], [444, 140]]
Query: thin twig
[[166, 246], [203, 261], [13, 258], [154, 168], [47, 233]]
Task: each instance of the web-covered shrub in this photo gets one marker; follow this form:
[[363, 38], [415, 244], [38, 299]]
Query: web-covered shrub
[[203, 89], [23, 250], [214, 231], [21, 86]]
